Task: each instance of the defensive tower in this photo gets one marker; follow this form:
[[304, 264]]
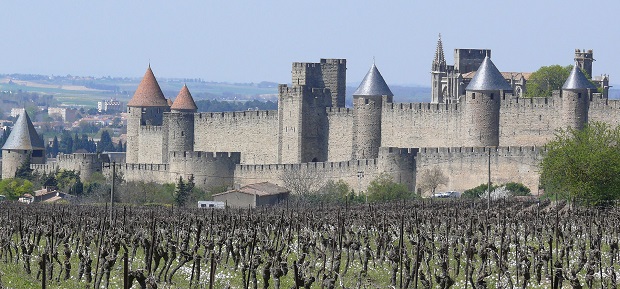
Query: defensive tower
[[180, 122], [576, 94], [146, 108], [22, 145], [482, 104], [368, 102], [328, 73], [584, 60]]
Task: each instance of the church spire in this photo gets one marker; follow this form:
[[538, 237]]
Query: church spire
[[439, 63]]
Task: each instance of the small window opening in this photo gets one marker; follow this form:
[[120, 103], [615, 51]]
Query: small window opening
[[473, 95]]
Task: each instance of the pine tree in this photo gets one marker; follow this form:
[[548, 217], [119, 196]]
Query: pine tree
[[55, 147], [24, 171], [181, 193]]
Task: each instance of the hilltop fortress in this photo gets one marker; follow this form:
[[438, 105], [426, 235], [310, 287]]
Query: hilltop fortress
[[475, 117]]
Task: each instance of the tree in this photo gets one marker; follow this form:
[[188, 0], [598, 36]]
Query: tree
[[547, 79], [15, 188], [303, 181], [24, 171], [181, 192], [55, 147], [105, 143], [430, 179], [383, 188], [478, 191], [583, 164]]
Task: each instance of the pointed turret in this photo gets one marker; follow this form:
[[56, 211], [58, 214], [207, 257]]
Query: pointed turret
[[23, 135], [368, 101], [22, 146], [148, 92], [577, 80], [373, 84], [184, 101], [576, 94], [439, 63], [488, 78], [482, 104]]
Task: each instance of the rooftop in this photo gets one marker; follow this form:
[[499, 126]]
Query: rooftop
[[148, 92]]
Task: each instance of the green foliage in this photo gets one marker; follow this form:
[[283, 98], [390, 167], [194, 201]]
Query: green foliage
[[105, 143], [475, 193], [24, 171], [515, 189], [14, 188], [546, 79], [181, 193], [383, 188], [337, 192], [584, 164], [518, 189], [69, 181]]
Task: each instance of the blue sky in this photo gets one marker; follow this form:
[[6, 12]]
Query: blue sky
[[252, 41]]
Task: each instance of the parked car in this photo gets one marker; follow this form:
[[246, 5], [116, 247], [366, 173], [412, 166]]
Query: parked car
[[448, 194]]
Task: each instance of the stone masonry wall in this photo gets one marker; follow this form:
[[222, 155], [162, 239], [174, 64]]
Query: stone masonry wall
[[357, 174], [152, 145], [253, 133], [340, 137], [528, 121], [408, 125], [467, 167], [605, 110]]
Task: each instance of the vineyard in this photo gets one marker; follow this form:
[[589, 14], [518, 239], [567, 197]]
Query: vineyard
[[414, 244]]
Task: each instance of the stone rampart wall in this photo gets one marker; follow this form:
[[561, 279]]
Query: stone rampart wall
[[421, 125], [340, 135], [253, 133], [467, 167], [152, 144]]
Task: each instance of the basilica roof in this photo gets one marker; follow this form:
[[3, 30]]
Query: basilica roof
[[373, 84], [23, 135], [148, 92], [184, 101], [488, 78], [577, 80]]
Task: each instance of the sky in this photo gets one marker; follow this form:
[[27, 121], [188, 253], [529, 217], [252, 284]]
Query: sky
[[253, 41]]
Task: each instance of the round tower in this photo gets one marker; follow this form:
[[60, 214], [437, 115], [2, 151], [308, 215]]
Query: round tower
[[482, 102], [576, 94], [146, 107], [181, 122], [22, 145], [368, 102]]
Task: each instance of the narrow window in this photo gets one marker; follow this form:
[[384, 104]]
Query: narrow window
[[182, 133], [579, 95], [491, 95], [473, 95]]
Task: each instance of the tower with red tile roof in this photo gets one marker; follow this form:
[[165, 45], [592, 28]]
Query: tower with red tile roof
[[145, 110], [180, 122]]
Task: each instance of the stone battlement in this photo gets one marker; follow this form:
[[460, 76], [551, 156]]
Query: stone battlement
[[315, 166], [415, 106], [238, 114], [89, 157], [504, 150], [151, 128], [339, 111], [202, 157]]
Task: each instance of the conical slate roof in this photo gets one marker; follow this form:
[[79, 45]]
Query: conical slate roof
[[488, 78], [373, 84], [184, 101], [148, 92], [577, 80], [23, 135]]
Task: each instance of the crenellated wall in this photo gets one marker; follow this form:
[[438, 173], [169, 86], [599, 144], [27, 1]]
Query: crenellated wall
[[253, 133], [208, 168], [604, 110], [467, 167], [408, 125], [529, 121], [84, 163], [153, 144], [340, 134]]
